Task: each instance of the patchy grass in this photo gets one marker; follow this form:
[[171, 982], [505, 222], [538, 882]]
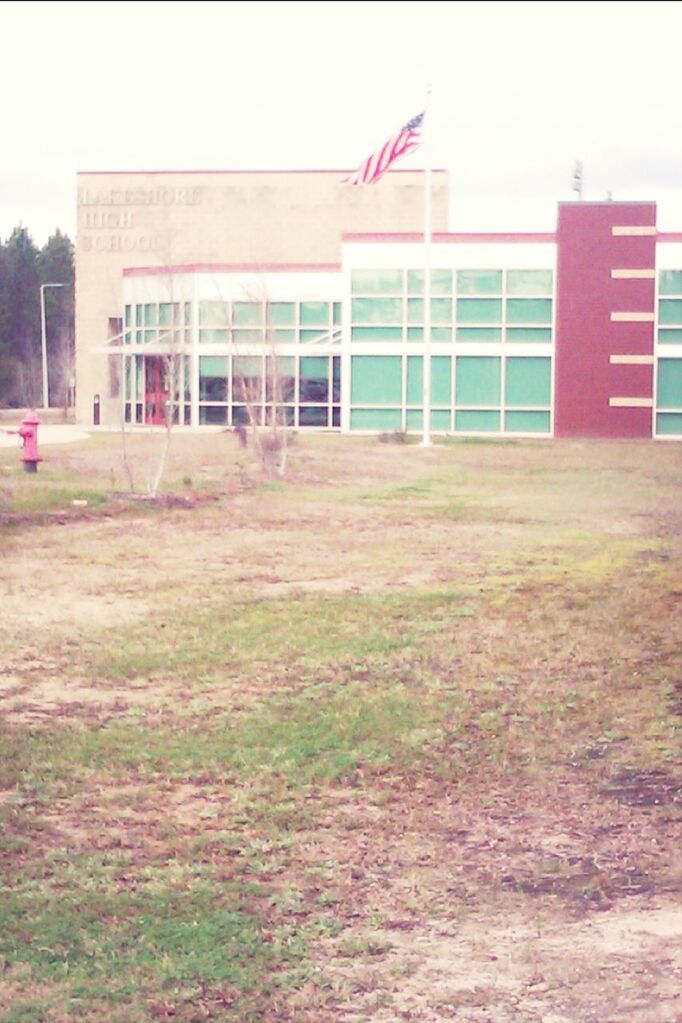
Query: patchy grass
[[403, 693]]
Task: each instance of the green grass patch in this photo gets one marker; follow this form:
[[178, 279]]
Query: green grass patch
[[309, 739], [123, 945], [304, 634], [252, 790]]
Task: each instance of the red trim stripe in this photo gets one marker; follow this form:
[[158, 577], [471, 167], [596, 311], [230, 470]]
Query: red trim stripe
[[445, 237], [190, 268]]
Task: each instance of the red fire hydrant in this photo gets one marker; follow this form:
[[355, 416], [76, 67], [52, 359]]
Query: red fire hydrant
[[28, 431]]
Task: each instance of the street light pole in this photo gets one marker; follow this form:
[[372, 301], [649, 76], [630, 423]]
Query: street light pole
[[43, 340]]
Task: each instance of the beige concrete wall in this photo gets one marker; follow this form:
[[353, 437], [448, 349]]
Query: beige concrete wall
[[157, 218]]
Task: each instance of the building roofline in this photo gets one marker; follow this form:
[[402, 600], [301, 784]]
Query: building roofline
[[444, 237], [198, 268], [293, 170], [607, 202]]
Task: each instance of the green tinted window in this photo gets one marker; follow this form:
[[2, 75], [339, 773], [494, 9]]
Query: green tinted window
[[526, 422], [375, 419], [437, 334], [479, 334], [376, 380], [247, 313], [127, 318], [311, 336], [314, 367], [210, 367], [479, 310], [282, 313], [247, 381], [376, 334], [165, 314], [441, 282], [246, 365], [285, 365], [670, 383], [536, 335], [440, 380], [213, 314], [479, 282], [477, 422], [415, 389], [150, 316], [441, 310], [478, 380], [669, 423], [247, 336], [314, 379], [377, 310], [670, 310], [670, 282], [336, 376], [213, 379], [376, 282], [527, 381], [440, 420], [529, 282], [187, 368], [336, 313], [315, 313], [213, 335], [529, 310], [311, 416], [670, 336]]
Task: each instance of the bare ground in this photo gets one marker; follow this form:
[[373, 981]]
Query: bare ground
[[557, 901]]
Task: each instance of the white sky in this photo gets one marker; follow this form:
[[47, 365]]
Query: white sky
[[521, 90]]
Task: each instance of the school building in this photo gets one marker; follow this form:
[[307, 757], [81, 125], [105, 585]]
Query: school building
[[575, 332]]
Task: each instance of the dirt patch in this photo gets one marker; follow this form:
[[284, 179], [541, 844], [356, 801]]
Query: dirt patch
[[620, 966], [478, 875], [28, 699]]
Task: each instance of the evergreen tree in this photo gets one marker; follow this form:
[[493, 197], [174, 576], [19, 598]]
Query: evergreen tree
[[8, 362], [21, 317], [22, 270]]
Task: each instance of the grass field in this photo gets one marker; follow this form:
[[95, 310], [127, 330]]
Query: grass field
[[393, 739]]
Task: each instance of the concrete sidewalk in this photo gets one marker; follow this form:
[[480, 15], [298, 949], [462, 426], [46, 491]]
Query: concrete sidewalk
[[47, 434]]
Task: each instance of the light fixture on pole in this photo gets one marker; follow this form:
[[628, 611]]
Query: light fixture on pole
[[43, 340]]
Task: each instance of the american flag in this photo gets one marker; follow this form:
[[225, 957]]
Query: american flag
[[376, 165]]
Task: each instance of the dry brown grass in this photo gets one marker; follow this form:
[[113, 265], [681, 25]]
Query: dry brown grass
[[414, 710]]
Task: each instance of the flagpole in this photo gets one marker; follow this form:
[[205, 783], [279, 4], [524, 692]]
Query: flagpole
[[426, 428]]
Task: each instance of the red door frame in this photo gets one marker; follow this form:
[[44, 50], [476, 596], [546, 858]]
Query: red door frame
[[156, 392]]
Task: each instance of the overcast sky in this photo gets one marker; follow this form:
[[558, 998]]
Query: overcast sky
[[520, 91]]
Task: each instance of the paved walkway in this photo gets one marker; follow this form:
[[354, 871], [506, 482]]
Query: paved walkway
[[47, 434]]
